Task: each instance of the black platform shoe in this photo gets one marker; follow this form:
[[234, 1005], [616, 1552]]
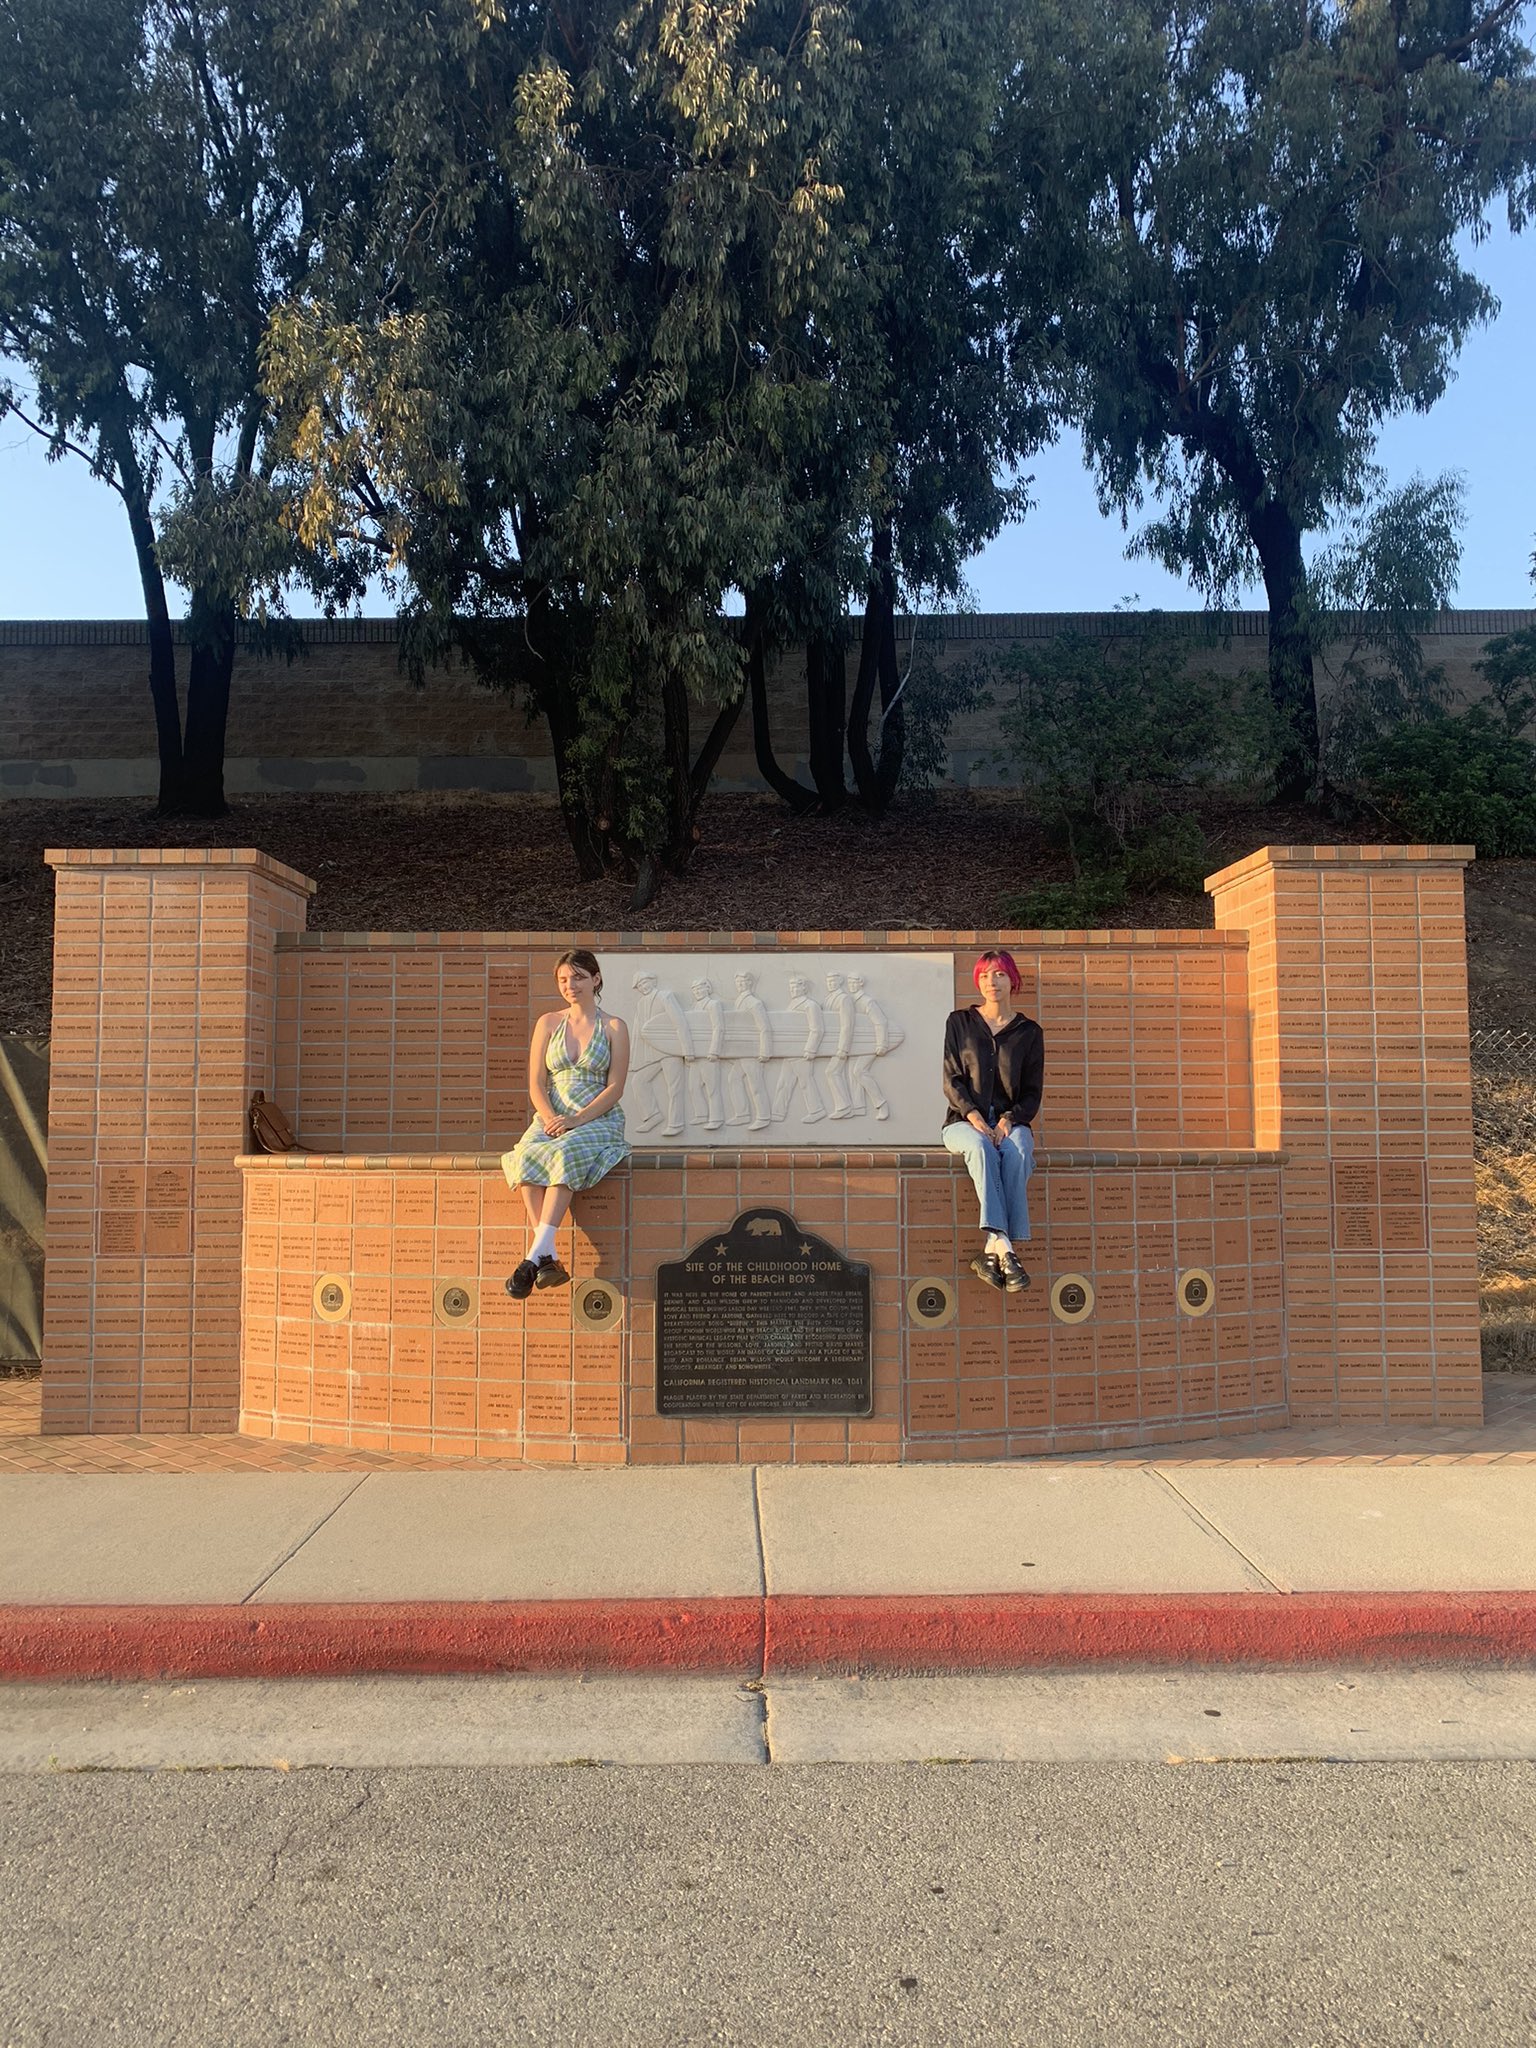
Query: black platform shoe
[[987, 1268], [1015, 1279], [520, 1282]]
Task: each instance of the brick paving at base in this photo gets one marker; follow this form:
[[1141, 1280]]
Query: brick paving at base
[[1507, 1436]]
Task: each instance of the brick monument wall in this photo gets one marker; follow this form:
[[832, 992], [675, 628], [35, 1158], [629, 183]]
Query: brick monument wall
[[1277, 1110], [1358, 976], [164, 1007]]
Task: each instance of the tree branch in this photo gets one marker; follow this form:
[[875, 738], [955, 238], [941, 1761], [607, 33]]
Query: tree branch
[[58, 439]]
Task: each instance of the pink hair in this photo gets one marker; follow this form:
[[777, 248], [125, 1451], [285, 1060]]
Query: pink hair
[[1003, 960]]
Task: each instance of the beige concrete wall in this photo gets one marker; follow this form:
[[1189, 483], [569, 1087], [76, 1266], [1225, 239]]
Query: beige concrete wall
[[75, 713]]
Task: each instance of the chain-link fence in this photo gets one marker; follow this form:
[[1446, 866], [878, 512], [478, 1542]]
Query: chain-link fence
[[1504, 1136], [1504, 1089]]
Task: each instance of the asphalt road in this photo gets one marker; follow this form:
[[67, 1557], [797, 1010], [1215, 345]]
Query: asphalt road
[[1304, 1905]]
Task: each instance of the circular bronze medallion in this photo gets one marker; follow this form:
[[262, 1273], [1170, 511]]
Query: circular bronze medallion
[[456, 1302], [931, 1302], [1072, 1298], [596, 1304], [333, 1297], [1197, 1291]]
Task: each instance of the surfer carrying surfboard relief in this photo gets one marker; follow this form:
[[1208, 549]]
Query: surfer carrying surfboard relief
[[994, 1070], [578, 1062]]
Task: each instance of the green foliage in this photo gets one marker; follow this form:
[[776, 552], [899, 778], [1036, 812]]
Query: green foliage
[[543, 360], [1261, 210], [1106, 736], [932, 698], [1169, 857], [1509, 668], [1374, 592], [1459, 781], [1066, 906], [1172, 855], [159, 189]]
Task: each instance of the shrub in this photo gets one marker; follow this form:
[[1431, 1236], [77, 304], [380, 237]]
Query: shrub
[[1107, 736], [1174, 854], [1466, 780], [1065, 906]]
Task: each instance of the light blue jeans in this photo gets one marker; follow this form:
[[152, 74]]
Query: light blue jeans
[[1001, 1174]]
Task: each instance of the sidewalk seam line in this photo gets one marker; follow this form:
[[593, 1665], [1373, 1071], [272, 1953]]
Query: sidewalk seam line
[[1219, 1533], [757, 1530], [294, 1549]]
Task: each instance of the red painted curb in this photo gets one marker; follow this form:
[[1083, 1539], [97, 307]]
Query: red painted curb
[[785, 1634], [1064, 1631], [411, 1636]]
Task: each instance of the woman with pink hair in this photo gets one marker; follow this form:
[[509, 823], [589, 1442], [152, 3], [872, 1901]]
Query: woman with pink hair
[[994, 1069]]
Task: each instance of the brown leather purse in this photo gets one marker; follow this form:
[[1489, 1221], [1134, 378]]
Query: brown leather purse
[[270, 1129]]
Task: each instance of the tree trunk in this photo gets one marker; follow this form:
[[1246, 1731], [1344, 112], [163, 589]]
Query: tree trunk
[[686, 836], [545, 661], [213, 633], [878, 671], [582, 829], [893, 718], [826, 696], [677, 743], [157, 616], [793, 791], [1292, 683]]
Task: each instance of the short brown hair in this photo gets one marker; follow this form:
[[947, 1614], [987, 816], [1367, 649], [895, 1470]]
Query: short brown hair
[[586, 960]]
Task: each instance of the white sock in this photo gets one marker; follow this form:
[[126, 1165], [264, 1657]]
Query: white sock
[[996, 1245], [543, 1246]]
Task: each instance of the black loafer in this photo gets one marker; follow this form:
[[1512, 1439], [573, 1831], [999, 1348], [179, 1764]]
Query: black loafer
[[1015, 1279], [985, 1267], [550, 1273], [520, 1284]]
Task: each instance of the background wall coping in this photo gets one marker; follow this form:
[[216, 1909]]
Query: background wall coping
[[952, 625]]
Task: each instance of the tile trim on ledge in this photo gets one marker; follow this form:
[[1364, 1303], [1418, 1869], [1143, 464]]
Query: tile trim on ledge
[[1336, 857], [943, 941], [894, 1160], [245, 858]]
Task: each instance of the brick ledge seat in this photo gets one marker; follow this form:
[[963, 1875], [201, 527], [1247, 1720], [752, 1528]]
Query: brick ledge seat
[[892, 1157]]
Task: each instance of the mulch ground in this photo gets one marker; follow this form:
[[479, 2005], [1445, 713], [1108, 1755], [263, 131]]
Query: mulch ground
[[503, 863]]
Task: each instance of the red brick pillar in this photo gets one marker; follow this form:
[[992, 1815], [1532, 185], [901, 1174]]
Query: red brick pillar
[[163, 1015], [1358, 1003]]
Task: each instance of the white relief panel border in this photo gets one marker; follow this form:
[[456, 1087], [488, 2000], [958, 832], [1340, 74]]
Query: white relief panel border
[[791, 1049]]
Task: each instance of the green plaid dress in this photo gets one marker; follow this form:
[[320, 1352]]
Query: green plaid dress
[[584, 1155]]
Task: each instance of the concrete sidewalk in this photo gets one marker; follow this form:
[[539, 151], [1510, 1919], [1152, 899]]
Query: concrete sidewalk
[[766, 1569]]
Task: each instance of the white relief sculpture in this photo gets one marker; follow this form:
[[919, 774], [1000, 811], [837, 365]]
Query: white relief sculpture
[[750, 1069], [798, 1073], [862, 1089], [841, 1004], [705, 1066], [658, 1070], [805, 1041]]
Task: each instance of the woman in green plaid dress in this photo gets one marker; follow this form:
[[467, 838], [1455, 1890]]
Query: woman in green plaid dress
[[578, 1063]]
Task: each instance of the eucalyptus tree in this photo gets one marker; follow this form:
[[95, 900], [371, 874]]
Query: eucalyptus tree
[[156, 182], [910, 467], [1262, 209], [540, 379]]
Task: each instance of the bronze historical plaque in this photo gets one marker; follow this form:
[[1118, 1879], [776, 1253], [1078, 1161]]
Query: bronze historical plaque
[[763, 1319]]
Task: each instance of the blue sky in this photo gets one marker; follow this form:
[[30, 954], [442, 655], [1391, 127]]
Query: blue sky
[[65, 552]]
